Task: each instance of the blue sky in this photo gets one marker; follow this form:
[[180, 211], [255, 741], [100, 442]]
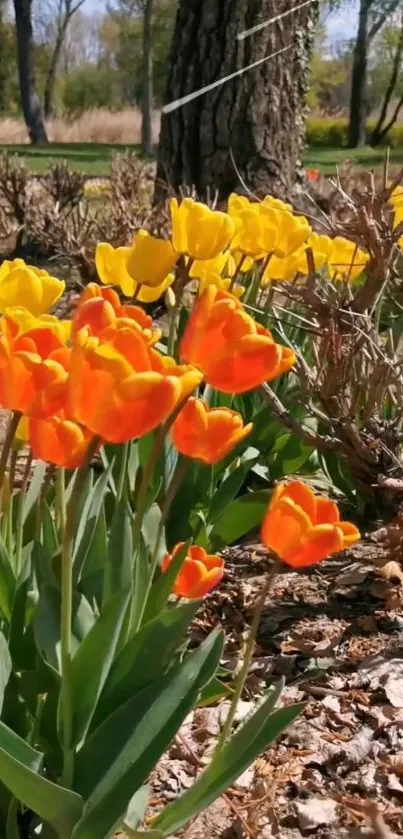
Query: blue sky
[[342, 24]]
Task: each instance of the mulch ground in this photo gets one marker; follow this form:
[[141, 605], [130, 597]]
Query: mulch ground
[[336, 635]]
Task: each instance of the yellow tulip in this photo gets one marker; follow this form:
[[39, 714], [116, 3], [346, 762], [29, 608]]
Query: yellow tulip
[[347, 259], [26, 322], [210, 278], [322, 248], [222, 262], [256, 235], [28, 286], [292, 231], [199, 232], [22, 434], [111, 265], [241, 263], [150, 260], [149, 294], [276, 204], [284, 270]]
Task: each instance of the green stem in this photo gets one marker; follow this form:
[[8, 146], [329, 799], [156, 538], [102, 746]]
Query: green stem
[[7, 523], [7, 444], [173, 488], [69, 515], [123, 471], [173, 317], [141, 501], [19, 524], [237, 272], [250, 645]]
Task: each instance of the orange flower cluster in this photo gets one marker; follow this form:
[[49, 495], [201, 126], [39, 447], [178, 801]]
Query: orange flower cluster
[[102, 376]]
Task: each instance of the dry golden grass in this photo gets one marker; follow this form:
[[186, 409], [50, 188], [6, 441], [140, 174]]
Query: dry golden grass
[[96, 126]]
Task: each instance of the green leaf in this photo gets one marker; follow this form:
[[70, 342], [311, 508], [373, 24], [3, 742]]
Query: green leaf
[[141, 583], [93, 569], [230, 487], [119, 756], [92, 662], [118, 570], [47, 624], [88, 522], [7, 583], [239, 518], [5, 667], [137, 809], [49, 540], [19, 767], [162, 589], [244, 747], [213, 693], [145, 658], [35, 488]]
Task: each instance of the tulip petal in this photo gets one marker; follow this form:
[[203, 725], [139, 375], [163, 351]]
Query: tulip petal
[[350, 532], [319, 542], [284, 526], [327, 511]]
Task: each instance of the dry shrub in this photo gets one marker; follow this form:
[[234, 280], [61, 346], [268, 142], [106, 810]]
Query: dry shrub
[[98, 125]]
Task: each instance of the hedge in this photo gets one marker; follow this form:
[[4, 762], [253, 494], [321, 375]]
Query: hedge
[[324, 132]]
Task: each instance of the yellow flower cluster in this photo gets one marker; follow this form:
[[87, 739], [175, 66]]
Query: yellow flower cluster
[[221, 246]]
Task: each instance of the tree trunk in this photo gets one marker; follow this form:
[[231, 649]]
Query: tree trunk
[[248, 132], [357, 133], [147, 131], [381, 129], [50, 84], [29, 98], [3, 56]]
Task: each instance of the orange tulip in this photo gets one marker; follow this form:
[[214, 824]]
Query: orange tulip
[[303, 528], [199, 573], [59, 441], [100, 308], [208, 434], [33, 370], [119, 388], [235, 353]]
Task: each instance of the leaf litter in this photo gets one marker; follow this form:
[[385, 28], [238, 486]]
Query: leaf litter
[[336, 634]]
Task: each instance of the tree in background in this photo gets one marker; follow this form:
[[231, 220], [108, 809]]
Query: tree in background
[[387, 79], [251, 127], [30, 101], [373, 14], [145, 29], [148, 82], [58, 15]]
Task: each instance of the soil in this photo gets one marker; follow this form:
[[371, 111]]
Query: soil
[[336, 634]]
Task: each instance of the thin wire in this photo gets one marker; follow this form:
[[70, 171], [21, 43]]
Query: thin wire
[[260, 26], [183, 100]]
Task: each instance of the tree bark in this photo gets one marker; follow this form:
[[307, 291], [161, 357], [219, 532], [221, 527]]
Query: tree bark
[[147, 131], [248, 132], [357, 134], [3, 58], [29, 98]]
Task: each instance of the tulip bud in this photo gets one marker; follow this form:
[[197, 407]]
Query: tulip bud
[[170, 299]]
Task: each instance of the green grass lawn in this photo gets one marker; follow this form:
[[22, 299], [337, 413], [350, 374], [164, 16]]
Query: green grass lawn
[[327, 159], [93, 158]]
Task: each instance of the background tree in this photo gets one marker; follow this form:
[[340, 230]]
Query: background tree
[[56, 17], [30, 101], [373, 14], [148, 87], [386, 79], [253, 124]]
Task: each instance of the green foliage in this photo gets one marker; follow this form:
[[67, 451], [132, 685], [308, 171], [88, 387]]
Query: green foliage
[[328, 132]]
